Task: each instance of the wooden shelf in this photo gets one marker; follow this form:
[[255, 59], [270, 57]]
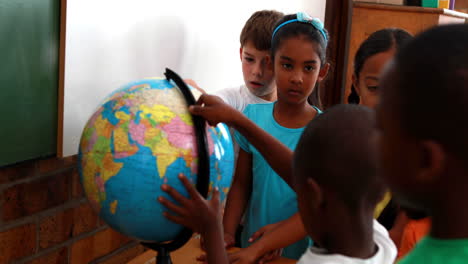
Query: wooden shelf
[[412, 9], [368, 18]]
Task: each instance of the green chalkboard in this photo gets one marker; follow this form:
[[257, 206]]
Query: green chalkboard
[[29, 56]]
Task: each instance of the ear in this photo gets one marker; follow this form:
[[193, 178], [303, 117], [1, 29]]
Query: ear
[[240, 53], [315, 193], [323, 72], [355, 84], [432, 162]]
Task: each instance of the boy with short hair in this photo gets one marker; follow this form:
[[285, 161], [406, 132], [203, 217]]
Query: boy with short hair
[[255, 43], [422, 118], [259, 85], [336, 180]]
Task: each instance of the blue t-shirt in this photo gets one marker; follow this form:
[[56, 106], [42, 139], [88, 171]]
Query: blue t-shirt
[[272, 200]]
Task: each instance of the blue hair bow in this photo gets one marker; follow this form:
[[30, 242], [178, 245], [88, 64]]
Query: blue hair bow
[[304, 18]]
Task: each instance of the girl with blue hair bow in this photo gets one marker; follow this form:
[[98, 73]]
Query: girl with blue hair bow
[[298, 55]]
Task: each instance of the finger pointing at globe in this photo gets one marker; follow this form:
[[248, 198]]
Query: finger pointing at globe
[[214, 110]]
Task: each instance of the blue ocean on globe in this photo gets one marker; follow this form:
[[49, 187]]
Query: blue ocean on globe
[[140, 137]]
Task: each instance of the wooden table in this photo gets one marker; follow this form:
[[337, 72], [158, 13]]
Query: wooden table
[[187, 255]]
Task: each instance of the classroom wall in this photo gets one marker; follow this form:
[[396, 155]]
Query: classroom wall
[[110, 43], [44, 215], [46, 219], [461, 5]]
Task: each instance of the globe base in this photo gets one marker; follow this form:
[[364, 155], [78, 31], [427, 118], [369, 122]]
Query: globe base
[[163, 256]]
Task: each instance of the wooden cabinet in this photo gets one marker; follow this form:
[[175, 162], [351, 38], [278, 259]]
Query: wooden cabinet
[[461, 5], [368, 18]]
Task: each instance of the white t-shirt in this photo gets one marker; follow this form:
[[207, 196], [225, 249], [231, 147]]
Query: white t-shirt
[[386, 252], [239, 97]]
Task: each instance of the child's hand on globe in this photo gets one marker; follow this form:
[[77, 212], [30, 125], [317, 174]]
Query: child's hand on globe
[[214, 110], [195, 212]]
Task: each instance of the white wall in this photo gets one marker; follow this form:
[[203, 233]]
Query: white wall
[[112, 42]]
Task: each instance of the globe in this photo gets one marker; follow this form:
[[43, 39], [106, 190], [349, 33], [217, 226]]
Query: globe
[[140, 137]]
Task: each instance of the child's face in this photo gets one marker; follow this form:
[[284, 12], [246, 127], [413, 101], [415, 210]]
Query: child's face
[[257, 71], [367, 83], [297, 68]]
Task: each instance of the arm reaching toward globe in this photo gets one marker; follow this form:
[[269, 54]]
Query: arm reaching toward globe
[[215, 111], [200, 215], [204, 216], [271, 238], [269, 241]]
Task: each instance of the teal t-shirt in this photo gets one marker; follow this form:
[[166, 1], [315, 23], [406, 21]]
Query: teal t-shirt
[[431, 251], [272, 200]]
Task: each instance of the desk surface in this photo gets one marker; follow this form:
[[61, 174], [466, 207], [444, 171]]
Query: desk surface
[[187, 255]]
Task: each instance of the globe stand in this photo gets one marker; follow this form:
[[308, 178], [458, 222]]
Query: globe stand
[[164, 249], [203, 173], [163, 257]]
